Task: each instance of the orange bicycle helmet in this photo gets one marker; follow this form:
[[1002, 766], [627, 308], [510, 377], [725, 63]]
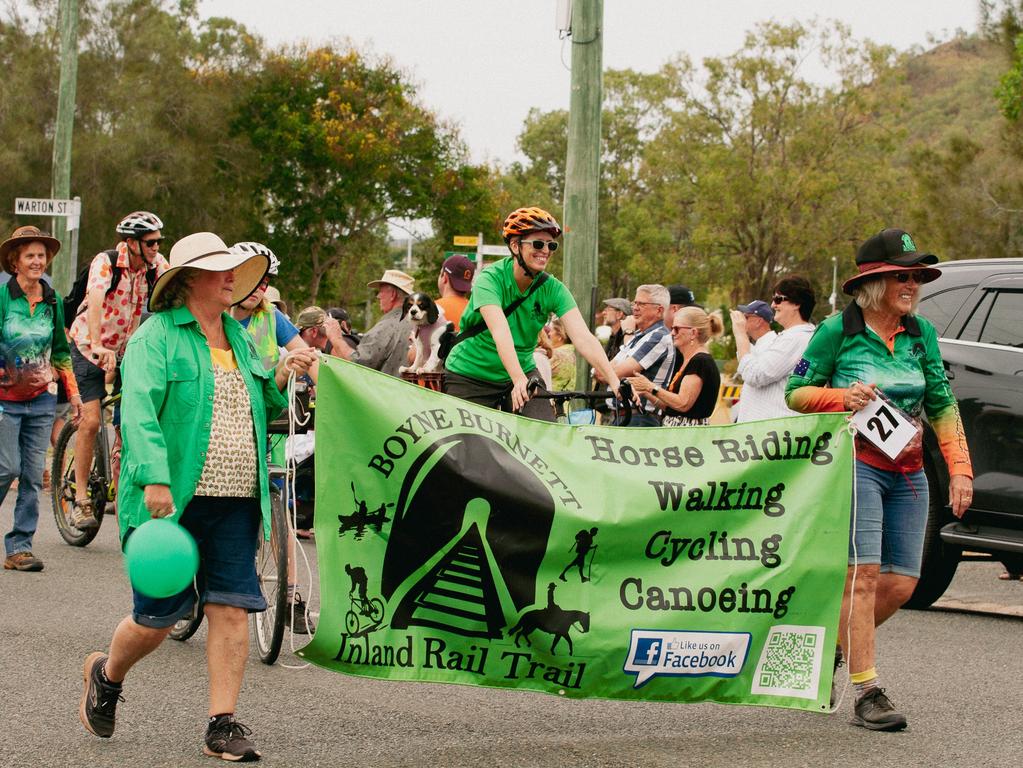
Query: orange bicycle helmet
[[526, 220]]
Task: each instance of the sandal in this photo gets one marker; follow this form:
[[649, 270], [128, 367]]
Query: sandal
[[1010, 576]]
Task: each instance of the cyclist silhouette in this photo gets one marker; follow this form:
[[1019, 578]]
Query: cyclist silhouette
[[359, 582], [583, 546]]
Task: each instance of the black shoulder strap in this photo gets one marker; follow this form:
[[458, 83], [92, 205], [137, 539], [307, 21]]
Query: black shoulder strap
[[115, 271], [476, 330]]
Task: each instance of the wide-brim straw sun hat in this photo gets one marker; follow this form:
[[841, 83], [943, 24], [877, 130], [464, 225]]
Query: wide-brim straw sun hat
[[397, 278], [206, 251], [27, 234]]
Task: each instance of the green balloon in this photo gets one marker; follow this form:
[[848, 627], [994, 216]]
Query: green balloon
[[161, 558]]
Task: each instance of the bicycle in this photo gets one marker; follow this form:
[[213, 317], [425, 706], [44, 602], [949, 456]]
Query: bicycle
[[102, 485], [619, 407], [373, 608]]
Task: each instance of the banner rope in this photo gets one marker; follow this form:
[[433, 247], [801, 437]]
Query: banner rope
[[291, 509], [851, 431]]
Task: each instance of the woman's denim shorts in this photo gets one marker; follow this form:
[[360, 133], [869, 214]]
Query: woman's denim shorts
[[889, 520]]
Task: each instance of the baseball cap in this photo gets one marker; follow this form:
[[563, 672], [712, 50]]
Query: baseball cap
[[759, 308], [459, 268], [682, 296], [310, 317]]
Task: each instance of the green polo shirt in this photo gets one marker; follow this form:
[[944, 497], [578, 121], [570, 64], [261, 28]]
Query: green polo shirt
[[167, 410], [477, 357]]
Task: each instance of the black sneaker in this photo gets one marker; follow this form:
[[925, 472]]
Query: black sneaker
[[99, 698], [226, 739], [296, 616], [875, 711], [839, 662]]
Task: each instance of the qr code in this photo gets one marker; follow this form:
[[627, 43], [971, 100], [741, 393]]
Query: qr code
[[790, 662]]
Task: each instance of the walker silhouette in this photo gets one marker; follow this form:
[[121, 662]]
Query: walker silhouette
[[476, 509]]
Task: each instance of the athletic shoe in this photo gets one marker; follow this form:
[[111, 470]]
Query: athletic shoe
[[875, 711], [226, 739], [302, 623], [23, 561], [82, 516], [99, 698], [839, 661]]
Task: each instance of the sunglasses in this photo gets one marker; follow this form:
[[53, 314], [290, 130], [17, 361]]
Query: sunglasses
[[539, 245], [904, 277], [153, 242], [778, 298], [676, 328]]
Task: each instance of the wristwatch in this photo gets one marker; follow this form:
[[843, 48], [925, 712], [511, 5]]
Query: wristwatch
[[654, 390]]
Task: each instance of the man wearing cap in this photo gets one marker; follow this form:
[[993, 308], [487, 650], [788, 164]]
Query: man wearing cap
[[384, 347], [766, 367], [454, 284], [680, 297], [615, 310]]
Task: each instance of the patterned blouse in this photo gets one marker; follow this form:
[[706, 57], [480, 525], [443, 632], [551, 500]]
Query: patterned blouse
[[231, 460]]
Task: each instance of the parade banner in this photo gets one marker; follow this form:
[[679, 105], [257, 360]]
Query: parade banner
[[460, 544]]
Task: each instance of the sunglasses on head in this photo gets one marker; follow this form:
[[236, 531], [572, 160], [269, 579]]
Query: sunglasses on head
[[539, 245], [903, 277], [152, 242], [778, 298]]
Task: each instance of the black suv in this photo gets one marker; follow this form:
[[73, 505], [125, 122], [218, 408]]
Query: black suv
[[977, 308]]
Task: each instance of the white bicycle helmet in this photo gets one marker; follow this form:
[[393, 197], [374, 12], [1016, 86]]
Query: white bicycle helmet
[[253, 248], [139, 223]]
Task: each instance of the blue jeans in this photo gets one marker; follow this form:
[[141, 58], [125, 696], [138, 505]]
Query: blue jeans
[[891, 514], [24, 436]]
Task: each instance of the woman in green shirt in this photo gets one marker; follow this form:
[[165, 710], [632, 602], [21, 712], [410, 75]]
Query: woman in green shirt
[[195, 406]]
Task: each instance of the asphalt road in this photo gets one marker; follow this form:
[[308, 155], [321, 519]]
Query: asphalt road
[[958, 677]]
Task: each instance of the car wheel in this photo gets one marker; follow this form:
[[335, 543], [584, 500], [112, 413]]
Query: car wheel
[[940, 560]]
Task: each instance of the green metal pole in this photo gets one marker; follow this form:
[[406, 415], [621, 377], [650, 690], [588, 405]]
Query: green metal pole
[[65, 265], [582, 176]]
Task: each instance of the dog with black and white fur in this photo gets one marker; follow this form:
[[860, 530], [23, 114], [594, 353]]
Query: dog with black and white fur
[[428, 328]]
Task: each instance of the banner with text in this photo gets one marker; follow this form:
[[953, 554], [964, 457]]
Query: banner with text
[[459, 544]]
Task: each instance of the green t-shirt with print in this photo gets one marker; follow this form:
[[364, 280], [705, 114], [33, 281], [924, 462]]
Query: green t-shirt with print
[[477, 357]]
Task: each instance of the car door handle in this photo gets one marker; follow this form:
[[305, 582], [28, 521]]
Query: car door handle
[[949, 373]]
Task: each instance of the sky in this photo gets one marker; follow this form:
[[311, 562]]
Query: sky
[[483, 64]]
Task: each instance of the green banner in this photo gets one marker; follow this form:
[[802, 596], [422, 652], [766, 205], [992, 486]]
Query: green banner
[[459, 544]]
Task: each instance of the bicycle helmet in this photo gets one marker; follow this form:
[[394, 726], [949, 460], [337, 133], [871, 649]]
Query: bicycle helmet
[[250, 248], [525, 220], [139, 223]]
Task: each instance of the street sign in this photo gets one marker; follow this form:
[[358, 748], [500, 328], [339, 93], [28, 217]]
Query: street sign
[[35, 206], [494, 250], [469, 255], [466, 240]]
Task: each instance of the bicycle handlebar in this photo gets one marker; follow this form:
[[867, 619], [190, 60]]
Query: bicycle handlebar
[[621, 406]]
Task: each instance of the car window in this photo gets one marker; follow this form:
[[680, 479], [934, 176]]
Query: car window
[[941, 307], [1004, 324], [971, 331]]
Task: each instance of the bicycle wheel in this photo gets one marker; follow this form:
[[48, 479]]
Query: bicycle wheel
[[187, 626], [272, 570], [62, 479], [376, 610], [351, 623]]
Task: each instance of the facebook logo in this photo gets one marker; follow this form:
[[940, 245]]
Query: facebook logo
[[648, 651]]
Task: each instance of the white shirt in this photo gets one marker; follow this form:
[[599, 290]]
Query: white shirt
[[765, 372]]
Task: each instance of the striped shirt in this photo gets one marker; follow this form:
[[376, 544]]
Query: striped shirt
[[653, 350]]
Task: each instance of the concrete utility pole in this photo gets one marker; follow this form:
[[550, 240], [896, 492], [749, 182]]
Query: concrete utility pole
[[582, 177], [65, 266]]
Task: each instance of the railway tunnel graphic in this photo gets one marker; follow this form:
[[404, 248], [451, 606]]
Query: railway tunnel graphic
[[470, 531]]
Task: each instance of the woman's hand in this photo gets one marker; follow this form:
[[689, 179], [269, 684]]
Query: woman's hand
[[519, 392], [158, 500], [858, 395], [960, 494], [300, 360], [641, 385], [77, 409]]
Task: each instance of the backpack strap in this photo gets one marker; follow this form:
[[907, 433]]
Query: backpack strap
[[476, 330]]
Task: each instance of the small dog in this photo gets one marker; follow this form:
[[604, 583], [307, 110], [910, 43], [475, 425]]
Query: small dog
[[429, 326]]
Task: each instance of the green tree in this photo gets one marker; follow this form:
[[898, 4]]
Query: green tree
[[344, 146]]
